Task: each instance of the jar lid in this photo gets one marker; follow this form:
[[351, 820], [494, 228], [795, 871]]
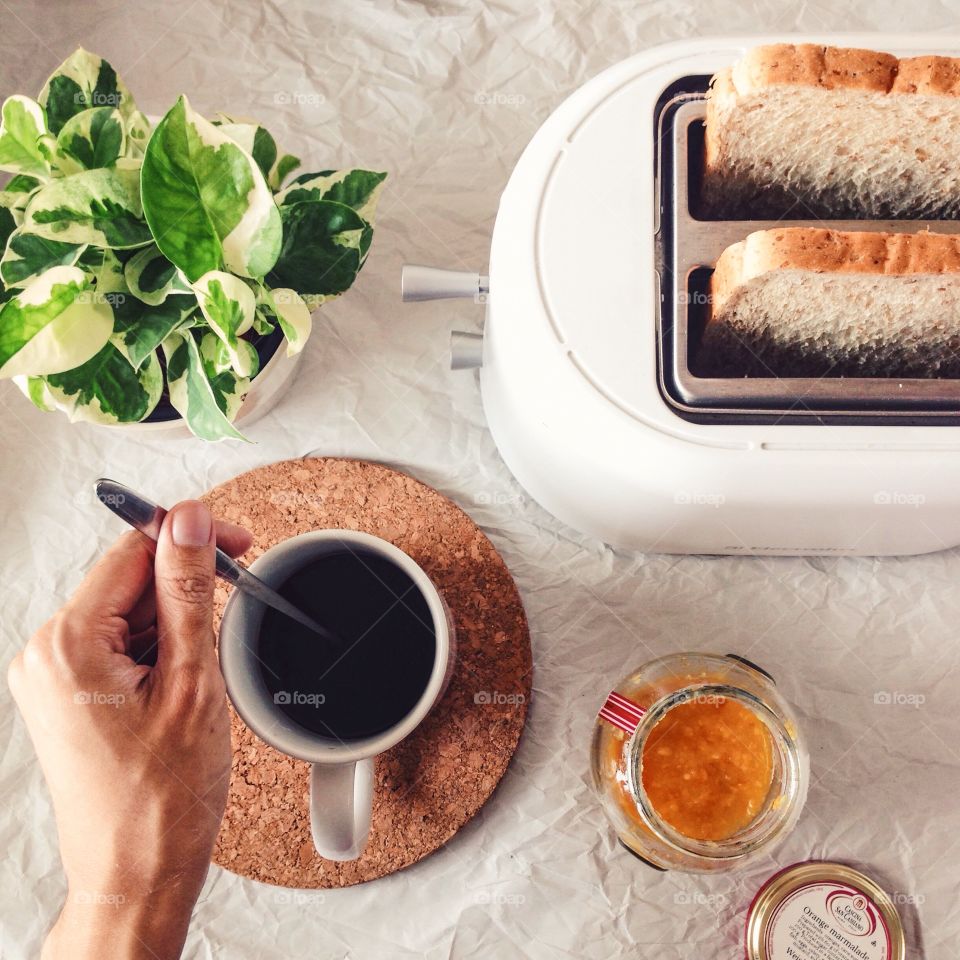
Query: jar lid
[[823, 909]]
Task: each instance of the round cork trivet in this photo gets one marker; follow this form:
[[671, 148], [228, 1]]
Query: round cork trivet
[[429, 785]]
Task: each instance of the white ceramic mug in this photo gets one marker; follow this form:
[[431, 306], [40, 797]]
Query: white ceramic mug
[[341, 778]]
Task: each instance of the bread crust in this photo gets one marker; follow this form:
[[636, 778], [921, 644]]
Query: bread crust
[[843, 68], [834, 251], [826, 68], [930, 76], [807, 64]]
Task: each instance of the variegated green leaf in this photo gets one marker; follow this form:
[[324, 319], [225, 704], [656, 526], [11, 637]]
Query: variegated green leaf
[[152, 277], [358, 189], [85, 80], [8, 224], [27, 255], [55, 323], [11, 201], [142, 327], [35, 390], [108, 388], [206, 406], [292, 314], [250, 362], [90, 139], [229, 390], [13, 205], [104, 269], [251, 138], [206, 200], [259, 143], [263, 149], [25, 143], [324, 246], [21, 183], [315, 301], [285, 164], [99, 207], [262, 324], [228, 305], [218, 358], [214, 354], [15, 196]]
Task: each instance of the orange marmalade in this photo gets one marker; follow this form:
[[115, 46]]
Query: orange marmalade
[[698, 762], [707, 768]]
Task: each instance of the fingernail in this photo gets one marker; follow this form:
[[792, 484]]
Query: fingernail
[[192, 524]]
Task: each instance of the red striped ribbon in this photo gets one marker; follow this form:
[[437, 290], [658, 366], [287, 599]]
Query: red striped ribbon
[[621, 712]]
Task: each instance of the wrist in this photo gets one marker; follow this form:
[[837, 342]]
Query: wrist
[[145, 925]]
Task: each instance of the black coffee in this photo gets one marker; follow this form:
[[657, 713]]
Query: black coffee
[[377, 676]]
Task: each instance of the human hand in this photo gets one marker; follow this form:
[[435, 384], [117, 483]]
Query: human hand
[[122, 695]]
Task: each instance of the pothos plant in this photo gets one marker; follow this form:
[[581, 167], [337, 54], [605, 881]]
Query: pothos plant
[[139, 261]]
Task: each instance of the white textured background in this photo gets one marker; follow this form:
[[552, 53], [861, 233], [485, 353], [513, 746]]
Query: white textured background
[[401, 86]]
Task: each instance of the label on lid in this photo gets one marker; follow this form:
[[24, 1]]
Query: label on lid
[[823, 920]]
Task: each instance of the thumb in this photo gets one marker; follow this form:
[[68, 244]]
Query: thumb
[[184, 576]]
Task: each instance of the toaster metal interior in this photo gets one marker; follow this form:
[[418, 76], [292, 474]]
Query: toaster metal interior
[[686, 249]]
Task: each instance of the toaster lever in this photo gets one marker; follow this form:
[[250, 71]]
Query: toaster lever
[[466, 350], [418, 282]]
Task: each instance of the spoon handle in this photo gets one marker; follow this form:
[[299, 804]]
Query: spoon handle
[[147, 517]]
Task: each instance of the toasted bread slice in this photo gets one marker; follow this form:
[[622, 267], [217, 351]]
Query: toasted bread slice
[[805, 130], [804, 302]]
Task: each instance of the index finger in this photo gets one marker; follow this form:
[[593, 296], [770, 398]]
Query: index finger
[[117, 579], [116, 585], [231, 539]]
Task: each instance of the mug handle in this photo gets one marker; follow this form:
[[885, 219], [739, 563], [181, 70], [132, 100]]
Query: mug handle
[[341, 802]]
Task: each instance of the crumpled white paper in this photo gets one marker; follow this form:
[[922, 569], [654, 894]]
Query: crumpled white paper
[[445, 96]]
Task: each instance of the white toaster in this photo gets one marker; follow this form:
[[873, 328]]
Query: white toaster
[[593, 287]]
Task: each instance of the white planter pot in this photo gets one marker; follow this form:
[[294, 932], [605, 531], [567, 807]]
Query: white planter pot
[[270, 384]]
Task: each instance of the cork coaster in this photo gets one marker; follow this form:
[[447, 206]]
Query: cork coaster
[[432, 783]]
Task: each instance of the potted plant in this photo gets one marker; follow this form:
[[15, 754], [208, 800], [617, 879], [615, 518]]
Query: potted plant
[[151, 273]]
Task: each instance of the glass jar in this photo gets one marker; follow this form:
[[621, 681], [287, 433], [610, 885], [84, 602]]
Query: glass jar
[[624, 727]]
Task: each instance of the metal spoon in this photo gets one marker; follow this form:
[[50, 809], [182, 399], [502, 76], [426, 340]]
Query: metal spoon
[[145, 516]]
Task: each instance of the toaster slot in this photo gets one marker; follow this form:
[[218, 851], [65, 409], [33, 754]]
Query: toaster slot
[[687, 248]]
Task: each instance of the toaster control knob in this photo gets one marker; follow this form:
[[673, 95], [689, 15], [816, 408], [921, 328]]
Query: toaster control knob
[[466, 350], [432, 283]]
